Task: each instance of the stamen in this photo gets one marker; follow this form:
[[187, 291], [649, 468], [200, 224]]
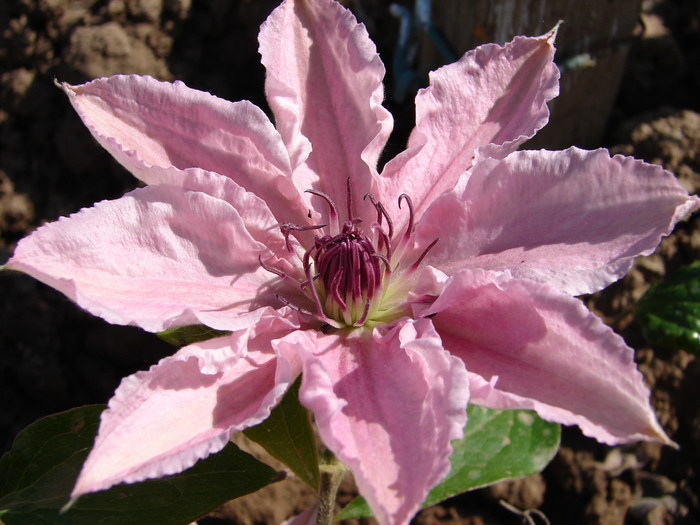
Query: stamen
[[332, 214], [422, 255], [384, 259], [305, 284], [286, 228], [342, 274], [409, 230], [381, 212], [293, 306], [365, 313], [350, 214], [310, 280], [383, 241], [400, 248], [335, 294], [272, 269]]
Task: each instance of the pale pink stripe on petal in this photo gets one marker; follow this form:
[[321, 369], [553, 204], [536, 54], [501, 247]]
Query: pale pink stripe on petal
[[258, 218], [162, 421], [143, 123], [324, 84], [537, 348], [387, 406], [158, 257], [572, 219], [492, 96]]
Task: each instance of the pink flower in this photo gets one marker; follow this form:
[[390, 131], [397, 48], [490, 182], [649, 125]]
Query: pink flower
[[399, 296]]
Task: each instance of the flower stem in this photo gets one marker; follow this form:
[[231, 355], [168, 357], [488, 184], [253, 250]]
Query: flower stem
[[332, 473]]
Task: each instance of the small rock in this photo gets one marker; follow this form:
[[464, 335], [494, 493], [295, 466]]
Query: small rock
[[655, 485], [15, 84], [116, 7], [525, 493], [16, 210], [652, 264], [649, 511], [177, 8], [105, 50], [145, 9]]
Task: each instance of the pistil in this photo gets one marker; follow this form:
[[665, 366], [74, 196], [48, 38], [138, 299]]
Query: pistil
[[348, 273]]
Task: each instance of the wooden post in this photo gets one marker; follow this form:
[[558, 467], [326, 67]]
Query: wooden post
[[592, 46]]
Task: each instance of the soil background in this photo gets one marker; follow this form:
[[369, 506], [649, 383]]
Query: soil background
[[53, 356]]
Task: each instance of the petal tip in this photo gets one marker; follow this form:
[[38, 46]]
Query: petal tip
[[61, 85], [551, 35], [68, 505], [658, 435], [68, 89]]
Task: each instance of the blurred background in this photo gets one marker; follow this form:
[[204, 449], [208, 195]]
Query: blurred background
[[630, 82]]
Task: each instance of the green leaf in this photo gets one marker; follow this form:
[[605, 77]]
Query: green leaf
[[669, 311], [186, 335], [288, 436], [37, 476], [497, 445]]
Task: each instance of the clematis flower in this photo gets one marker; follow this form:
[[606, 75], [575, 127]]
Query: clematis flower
[[400, 297]]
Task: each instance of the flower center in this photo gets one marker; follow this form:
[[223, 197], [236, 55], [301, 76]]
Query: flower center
[[349, 274], [351, 277]]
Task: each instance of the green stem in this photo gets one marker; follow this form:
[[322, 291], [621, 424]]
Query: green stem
[[332, 473]]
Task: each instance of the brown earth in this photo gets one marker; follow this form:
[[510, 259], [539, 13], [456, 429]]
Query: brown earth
[[53, 356]]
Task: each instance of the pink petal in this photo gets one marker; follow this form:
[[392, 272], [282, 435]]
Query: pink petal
[[387, 405], [158, 257], [572, 219], [257, 217], [308, 517], [324, 84], [527, 345], [493, 95], [162, 421], [145, 123]]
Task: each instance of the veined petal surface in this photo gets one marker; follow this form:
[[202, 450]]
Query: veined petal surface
[[162, 421], [145, 123], [572, 219], [324, 84], [527, 345], [494, 95], [387, 406], [255, 213], [158, 257]]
